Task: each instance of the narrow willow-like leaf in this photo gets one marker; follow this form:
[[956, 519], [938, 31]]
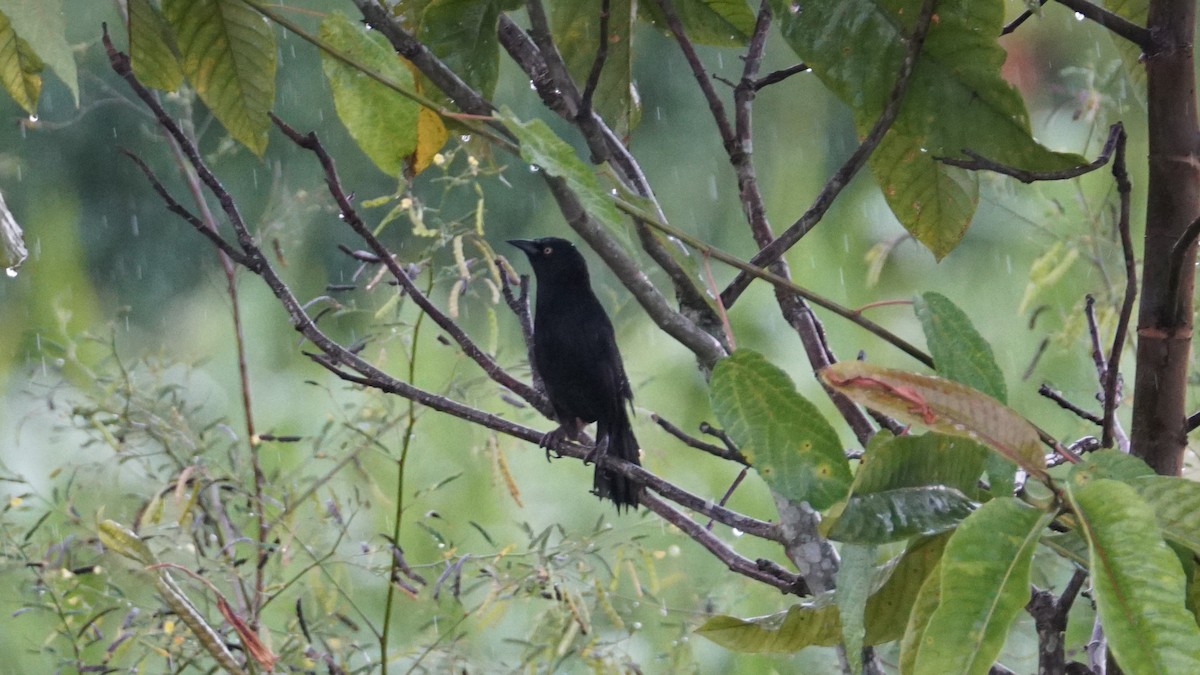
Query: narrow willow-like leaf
[[1137, 582], [856, 46], [228, 54], [117, 537], [784, 436], [151, 47], [985, 584], [541, 147], [940, 405], [380, 120], [20, 68], [1175, 502]]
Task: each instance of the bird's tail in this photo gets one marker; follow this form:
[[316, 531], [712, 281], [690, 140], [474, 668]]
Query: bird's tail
[[617, 439]]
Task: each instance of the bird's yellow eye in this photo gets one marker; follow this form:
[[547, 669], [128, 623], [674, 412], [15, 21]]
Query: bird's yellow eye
[[548, 250]]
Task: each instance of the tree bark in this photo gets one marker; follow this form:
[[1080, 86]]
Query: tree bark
[[1165, 316]]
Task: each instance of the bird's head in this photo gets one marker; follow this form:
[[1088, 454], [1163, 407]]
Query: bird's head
[[553, 258]]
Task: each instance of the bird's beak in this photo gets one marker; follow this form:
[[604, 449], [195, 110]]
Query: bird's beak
[[526, 245]]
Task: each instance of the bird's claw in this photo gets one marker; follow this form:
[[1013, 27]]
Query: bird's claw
[[551, 439], [599, 450]]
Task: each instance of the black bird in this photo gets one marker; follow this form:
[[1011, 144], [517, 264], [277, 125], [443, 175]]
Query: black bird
[[575, 352]]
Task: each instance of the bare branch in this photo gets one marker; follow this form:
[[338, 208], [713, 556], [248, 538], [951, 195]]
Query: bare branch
[[1057, 397], [1112, 21], [841, 178], [1112, 370], [593, 80], [977, 162], [606, 147], [770, 574], [731, 454], [350, 216]]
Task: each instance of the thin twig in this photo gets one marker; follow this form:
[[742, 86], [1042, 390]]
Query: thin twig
[[772, 575], [605, 146], [693, 59], [121, 65], [489, 366], [1021, 18], [731, 454], [780, 75], [977, 162], [729, 493], [1112, 371], [1179, 256], [841, 178], [593, 79], [1114, 22], [1057, 397]]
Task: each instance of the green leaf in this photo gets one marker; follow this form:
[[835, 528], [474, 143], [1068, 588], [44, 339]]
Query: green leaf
[[541, 147], [818, 623], [853, 589], [1109, 463], [784, 436], [382, 121], [462, 33], [228, 54], [959, 352], [908, 485], [1175, 503], [856, 47], [1138, 585], [1070, 545], [923, 607], [576, 28], [940, 405], [802, 625], [893, 462], [718, 23], [152, 47], [985, 584], [889, 608], [893, 515], [20, 68], [42, 24]]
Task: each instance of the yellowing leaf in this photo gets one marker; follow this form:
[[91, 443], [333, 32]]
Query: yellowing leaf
[[151, 48], [382, 121], [228, 54], [20, 68]]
